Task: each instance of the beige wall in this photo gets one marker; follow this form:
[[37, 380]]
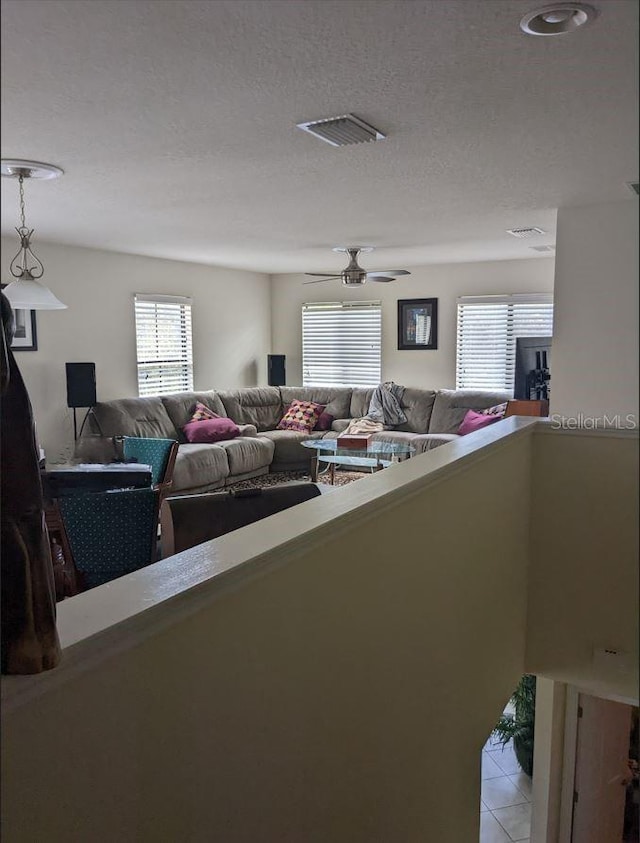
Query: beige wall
[[231, 328], [352, 669], [343, 696], [583, 582], [551, 699], [595, 342], [431, 369]]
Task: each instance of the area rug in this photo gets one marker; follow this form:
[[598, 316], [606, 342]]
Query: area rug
[[278, 477]]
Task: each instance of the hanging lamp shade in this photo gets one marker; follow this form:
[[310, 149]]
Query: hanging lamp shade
[[27, 292], [31, 295]]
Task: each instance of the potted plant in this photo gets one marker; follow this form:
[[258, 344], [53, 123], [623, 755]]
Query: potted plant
[[521, 724]]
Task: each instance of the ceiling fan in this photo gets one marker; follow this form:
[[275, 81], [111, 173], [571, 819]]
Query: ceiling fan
[[353, 275]]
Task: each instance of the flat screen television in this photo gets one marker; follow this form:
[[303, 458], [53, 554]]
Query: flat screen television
[[533, 362]]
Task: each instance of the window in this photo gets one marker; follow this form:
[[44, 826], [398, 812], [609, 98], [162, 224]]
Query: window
[[163, 343], [487, 331], [341, 343]]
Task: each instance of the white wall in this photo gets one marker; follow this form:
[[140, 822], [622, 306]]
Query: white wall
[[231, 327], [595, 342], [431, 369]]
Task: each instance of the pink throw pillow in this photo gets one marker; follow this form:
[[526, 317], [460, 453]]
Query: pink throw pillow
[[324, 422], [476, 421], [211, 430]]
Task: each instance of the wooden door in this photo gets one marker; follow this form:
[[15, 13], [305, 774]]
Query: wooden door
[[602, 753]]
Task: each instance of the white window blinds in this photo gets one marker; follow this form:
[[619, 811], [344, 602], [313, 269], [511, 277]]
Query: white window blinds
[[487, 331], [341, 343], [163, 344]]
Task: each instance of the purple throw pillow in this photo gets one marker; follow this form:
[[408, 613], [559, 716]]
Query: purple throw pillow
[[476, 421], [211, 430], [324, 422]]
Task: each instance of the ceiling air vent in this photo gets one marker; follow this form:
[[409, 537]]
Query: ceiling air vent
[[543, 248], [523, 233], [633, 187], [342, 131]]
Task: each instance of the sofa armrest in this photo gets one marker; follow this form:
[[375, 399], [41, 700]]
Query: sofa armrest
[[91, 447], [338, 425]]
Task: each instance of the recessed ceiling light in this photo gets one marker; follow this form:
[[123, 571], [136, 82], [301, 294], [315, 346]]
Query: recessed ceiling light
[[558, 19]]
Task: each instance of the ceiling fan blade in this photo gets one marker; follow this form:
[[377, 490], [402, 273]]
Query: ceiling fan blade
[[320, 280], [377, 277], [387, 272], [323, 274]]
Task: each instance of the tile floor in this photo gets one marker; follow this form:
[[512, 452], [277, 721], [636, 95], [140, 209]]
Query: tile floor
[[505, 804]]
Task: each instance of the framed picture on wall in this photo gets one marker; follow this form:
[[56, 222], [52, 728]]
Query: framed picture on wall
[[25, 336], [417, 324]]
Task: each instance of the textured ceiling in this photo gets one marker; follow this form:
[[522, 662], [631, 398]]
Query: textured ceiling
[[175, 124]]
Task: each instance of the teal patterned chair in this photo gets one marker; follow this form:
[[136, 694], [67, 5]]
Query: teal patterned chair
[[111, 533], [160, 454]]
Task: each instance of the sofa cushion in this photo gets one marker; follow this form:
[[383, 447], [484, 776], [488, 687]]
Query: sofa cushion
[[429, 441], [340, 425], [261, 406], [246, 455], [211, 430], [198, 466], [181, 405], [301, 416], [288, 450], [417, 405], [247, 430], [360, 400], [451, 405], [144, 417], [336, 399]]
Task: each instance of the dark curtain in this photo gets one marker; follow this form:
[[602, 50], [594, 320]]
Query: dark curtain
[[29, 637]]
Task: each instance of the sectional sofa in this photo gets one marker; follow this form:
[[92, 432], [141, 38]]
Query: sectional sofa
[[433, 418]]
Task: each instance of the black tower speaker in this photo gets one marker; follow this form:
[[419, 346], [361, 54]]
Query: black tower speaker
[[81, 384], [277, 375]]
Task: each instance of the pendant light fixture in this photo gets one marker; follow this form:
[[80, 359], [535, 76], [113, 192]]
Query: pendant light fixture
[[27, 292]]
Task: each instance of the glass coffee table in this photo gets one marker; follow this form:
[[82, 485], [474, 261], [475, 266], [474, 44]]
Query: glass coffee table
[[377, 455]]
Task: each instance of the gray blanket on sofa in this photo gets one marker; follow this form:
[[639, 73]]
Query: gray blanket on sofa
[[386, 404], [385, 410]]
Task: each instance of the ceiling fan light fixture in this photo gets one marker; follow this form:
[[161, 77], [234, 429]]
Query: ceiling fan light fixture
[[353, 275], [342, 131], [558, 19], [344, 249]]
